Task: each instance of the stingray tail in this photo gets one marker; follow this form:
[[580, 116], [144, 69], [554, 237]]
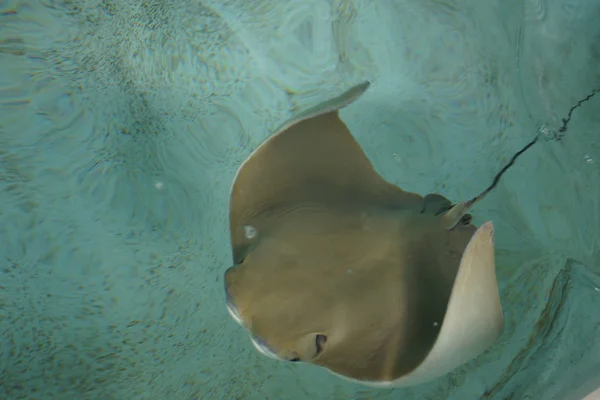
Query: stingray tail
[[456, 213]]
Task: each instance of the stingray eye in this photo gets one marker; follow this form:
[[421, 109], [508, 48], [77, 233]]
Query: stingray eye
[[320, 340], [295, 359]]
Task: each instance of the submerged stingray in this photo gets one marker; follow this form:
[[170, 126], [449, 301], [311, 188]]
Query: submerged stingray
[[334, 266]]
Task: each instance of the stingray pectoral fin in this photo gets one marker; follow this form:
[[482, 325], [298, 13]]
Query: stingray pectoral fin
[[311, 160], [334, 104], [435, 204], [473, 319]]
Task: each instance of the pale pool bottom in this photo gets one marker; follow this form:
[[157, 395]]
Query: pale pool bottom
[[121, 129]]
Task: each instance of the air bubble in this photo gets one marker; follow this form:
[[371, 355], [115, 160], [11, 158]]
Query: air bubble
[[588, 159], [250, 232], [548, 133]]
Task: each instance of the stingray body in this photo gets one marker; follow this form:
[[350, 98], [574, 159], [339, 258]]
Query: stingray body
[[334, 266]]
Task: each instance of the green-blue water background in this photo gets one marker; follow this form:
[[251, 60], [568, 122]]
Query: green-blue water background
[[122, 124]]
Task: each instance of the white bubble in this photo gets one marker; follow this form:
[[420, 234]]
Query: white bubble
[[250, 232], [547, 132], [436, 324], [158, 185], [588, 159]]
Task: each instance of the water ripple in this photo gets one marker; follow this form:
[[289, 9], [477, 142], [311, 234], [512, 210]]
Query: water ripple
[[534, 10]]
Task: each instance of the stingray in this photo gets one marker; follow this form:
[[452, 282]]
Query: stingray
[[336, 267]]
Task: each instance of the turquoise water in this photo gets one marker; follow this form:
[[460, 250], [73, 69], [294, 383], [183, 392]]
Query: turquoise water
[[122, 124]]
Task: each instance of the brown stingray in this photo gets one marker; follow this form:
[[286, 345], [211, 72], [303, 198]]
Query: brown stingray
[[337, 267]]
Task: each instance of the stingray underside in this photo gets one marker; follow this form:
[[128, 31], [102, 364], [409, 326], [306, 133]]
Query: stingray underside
[[335, 266]]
